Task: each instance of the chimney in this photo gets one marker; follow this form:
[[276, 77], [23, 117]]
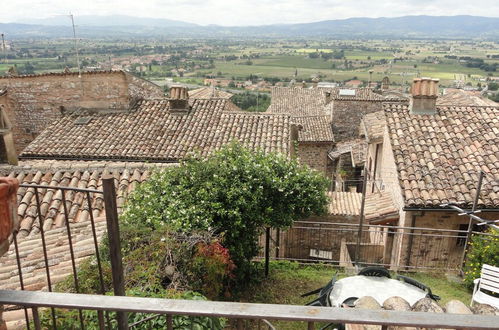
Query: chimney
[[328, 96], [179, 99], [424, 93]]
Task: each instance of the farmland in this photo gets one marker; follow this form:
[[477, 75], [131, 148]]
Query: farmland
[[454, 62]]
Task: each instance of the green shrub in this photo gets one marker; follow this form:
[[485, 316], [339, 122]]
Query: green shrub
[[235, 193], [483, 249]]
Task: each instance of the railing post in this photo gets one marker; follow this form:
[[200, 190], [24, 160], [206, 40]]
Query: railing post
[[113, 234], [361, 217], [267, 250]]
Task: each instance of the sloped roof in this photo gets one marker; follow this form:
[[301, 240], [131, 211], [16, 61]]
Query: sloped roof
[[354, 94], [439, 157], [208, 93], [314, 129], [459, 97], [151, 132], [54, 74], [380, 208], [344, 203], [372, 126], [83, 175], [86, 175], [298, 101], [356, 148]]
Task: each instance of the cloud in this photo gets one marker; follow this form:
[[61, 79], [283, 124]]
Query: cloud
[[246, 12]]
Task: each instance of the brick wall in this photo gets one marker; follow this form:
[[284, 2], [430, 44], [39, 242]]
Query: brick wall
[[315, 156], [346, 117], [32, 102]]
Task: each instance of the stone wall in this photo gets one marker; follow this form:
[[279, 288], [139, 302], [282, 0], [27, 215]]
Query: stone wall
[[325, 240], [33, 102], [423, 305], [315, 156], [141, 88], [347, 115], [429, 250]]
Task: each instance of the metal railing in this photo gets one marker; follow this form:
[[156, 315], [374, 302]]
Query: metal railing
[[396, 247], [242, 311], [88, 198]]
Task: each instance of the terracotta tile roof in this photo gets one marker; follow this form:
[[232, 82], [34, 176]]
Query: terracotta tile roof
[[151, 132], [344, 203], [314, 128], [380, 208], [459, 97], [357, 149], [33, 265], [61, 74], [73, 174], [298, 101], [373, 125], [439, 157], [209, 93], [353, 94], [78, 175]]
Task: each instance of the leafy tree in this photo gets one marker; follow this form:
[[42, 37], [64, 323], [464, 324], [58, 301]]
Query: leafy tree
[[235, 193], [254, 102], [493, 86]]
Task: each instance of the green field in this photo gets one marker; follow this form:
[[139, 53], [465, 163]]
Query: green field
[[400, 60]]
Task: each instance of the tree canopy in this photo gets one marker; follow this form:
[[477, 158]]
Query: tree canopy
[[234, 193]]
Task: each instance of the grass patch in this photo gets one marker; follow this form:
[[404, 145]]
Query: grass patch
[[288, 280]]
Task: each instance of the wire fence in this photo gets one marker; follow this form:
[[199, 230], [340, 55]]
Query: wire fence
[[395, 247]]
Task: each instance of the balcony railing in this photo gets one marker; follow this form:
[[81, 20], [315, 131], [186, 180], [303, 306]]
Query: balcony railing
[[242, 311]]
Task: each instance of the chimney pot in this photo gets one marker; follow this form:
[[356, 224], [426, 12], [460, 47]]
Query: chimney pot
[[179, 99], [424, 94]]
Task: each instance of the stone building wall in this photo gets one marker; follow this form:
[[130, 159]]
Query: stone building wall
[[315, 156], [346, 117], [298, 241], [141, 88], [431, 251], [34, 101]]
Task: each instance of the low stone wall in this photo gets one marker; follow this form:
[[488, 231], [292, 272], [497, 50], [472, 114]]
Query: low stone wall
[[425, 305]]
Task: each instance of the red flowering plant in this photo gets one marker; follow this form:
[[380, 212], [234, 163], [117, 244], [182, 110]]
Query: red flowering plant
[[211, 269]]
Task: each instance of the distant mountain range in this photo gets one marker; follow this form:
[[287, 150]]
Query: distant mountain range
[[383, 27]]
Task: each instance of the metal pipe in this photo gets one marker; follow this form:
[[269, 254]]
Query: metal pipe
[[361, 217], [44, 247]]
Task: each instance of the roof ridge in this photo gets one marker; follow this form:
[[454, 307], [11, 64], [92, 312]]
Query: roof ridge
[[34, 75]]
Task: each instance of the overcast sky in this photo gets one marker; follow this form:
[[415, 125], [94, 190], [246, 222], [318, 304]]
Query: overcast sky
[[245, 12]]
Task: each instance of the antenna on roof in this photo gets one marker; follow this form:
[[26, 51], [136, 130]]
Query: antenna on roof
[[4, 49], [76, 45]]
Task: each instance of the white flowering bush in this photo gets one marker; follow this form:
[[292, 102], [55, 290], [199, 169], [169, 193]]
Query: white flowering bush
[[235, 193]]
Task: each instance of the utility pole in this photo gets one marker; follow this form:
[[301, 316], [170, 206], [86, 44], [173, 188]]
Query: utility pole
[[4, 49], [76, 45], [470, 225]]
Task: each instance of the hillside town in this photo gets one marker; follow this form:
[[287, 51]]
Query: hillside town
[[144, 190]]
